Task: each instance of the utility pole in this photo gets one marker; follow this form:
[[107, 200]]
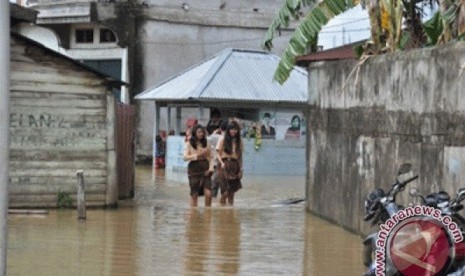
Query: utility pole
[[4, 127]]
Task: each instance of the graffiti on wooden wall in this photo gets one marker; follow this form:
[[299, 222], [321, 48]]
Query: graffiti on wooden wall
[[56, 130]]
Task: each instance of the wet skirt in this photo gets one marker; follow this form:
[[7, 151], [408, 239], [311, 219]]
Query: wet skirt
[[229, 176], [197, 179]]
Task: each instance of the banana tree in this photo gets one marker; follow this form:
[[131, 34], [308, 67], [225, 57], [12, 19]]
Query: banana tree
[[306, 33], [394, 24], [385, 24]]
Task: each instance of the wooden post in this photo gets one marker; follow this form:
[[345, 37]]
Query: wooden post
[[111, 198], [200, 113], [81, 195], [177, 129], [156, 130], [4, 127], [168, 120]]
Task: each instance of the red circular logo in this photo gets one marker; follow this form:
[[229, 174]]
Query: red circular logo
[[420, 247]]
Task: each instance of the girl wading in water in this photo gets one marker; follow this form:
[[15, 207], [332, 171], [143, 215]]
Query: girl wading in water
[[229, 153], [200, 167]]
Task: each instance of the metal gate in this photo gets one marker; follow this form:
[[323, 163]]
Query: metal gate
[[125, 149]]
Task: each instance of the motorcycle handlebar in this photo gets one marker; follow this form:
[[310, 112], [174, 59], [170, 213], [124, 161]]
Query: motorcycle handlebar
[[408, 180], [399, 186]]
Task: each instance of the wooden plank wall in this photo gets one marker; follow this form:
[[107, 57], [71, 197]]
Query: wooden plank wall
[[58, 125], [125, 149]]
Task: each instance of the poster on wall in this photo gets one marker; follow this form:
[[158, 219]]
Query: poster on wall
[[282, 125]]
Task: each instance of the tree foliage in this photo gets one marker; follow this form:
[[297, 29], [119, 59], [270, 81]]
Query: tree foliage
[[394, 24]]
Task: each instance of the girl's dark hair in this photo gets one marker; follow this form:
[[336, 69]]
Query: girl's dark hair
[[228, 139], [193, 140]]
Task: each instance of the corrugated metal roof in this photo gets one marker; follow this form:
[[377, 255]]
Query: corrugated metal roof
[[232, 75], [342, 52]]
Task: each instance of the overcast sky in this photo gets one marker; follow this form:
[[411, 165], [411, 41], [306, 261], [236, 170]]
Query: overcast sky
[[348, 27]]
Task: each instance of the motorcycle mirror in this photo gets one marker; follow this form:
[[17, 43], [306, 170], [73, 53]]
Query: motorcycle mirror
[[404, 168], [413, 192], [404, 173]]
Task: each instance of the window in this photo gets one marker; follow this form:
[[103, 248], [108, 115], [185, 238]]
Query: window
[[28, 2], [106, 35], [84, 36]]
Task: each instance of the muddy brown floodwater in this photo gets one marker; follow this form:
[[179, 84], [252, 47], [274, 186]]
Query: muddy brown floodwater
[[157, 233]]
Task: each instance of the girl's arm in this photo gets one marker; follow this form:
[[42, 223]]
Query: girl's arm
[[210, 158], [188, 155], [219, 151]]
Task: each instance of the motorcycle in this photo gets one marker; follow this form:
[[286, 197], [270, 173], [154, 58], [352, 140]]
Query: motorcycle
[[379, 207], [450, 207]]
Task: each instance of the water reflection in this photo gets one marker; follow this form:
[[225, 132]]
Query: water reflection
[[159, 234], [227, 228], [198, 231]]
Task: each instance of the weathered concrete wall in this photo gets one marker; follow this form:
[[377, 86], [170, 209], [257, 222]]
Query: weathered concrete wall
[[365, 121], [170, 40]]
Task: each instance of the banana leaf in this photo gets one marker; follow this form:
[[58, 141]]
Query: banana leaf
[[306, 33], [290, 9], [433, 29]]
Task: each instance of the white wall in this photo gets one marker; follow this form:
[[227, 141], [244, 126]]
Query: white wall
[[92, 51]]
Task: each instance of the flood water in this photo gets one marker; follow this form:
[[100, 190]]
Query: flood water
[[157, 233]]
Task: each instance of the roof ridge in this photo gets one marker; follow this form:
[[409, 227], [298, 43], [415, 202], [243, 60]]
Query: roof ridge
[[211, 73], [188, 69]]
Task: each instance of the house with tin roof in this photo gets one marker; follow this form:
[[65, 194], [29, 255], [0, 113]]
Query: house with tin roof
[[239, 83]]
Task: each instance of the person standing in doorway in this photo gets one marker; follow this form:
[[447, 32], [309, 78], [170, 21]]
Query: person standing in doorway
[[200, 168], [229, 154]]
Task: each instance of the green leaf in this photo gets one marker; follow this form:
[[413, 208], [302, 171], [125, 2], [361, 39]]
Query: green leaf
[[404, 40], [306, 33], [433, 29], [290, 9], [359, 50]]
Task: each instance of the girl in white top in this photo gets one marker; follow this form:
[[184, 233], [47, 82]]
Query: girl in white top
[[200, 168], [229, 154]]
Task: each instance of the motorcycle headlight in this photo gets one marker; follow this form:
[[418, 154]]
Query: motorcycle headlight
[[373, 199], [443, 204]]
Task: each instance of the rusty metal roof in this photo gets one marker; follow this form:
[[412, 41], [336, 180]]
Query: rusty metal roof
[[342, 52], [232, 76]]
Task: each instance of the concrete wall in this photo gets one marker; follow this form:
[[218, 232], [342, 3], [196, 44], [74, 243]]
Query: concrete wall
[[365, 121], [171, 40]]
